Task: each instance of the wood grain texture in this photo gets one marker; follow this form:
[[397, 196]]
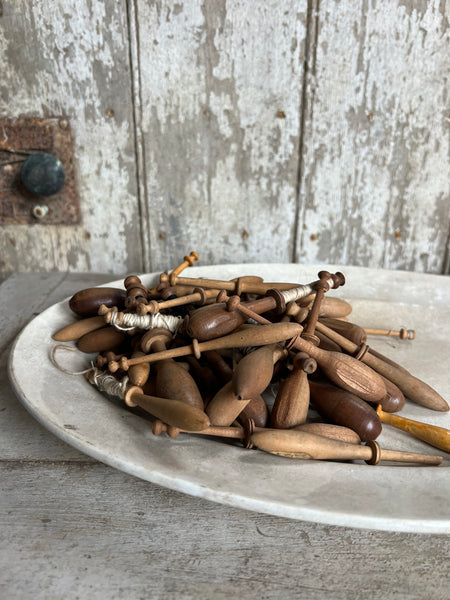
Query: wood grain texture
[[374, 186], [56, 59], [221, 159], [73, 530]]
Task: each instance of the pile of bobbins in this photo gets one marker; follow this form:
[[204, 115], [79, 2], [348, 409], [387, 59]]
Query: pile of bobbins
[[197, 355]]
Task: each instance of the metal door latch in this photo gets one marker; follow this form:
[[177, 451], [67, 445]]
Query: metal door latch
[[37, 182]]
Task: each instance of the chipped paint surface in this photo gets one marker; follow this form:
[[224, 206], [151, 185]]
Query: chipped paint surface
[[233, 157], [221, 165], [375, 181], [56, 60]]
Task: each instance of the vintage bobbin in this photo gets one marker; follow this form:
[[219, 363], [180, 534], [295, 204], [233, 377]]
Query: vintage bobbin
[[172, 380], [402, 333], [345, 371], [292, 400], [439, 437], [199, 296], [252, 336], [412, 387], [208, 322], [172, 412], [321, 287], [187, 262], [137, 293], [301, 444]]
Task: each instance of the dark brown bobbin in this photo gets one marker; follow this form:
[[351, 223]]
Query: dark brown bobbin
[[168, 292], [338, 278], [136, 291], [279, 299], [376, 452], [155, 335]]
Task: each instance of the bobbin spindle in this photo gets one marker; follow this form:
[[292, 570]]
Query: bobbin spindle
[[304, 445], [402, 333], [253, 336], [439, 437], [412, 387]]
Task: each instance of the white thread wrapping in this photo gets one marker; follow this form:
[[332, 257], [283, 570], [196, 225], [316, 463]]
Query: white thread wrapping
[[105, 382], [132, 321], [302, 291], [298, 292]]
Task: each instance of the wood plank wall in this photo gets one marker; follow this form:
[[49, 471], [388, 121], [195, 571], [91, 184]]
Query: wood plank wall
[[303, 130]]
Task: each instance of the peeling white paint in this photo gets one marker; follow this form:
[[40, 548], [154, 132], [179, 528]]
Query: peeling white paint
[[221, 94]]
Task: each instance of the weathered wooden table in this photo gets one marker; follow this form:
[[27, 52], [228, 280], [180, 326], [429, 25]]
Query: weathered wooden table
[[74, 528]]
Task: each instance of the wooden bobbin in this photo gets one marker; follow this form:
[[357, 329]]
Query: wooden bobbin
[[172, 379], [412, 387], [188, 262], [439, 437], [304, 445], [402, 333]]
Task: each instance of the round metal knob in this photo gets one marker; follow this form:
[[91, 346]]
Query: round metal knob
[[43, 174]]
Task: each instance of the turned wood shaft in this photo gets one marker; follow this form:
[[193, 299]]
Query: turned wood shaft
[[253, 336], [187, 262], [329, 430], [322, 287], [301, 444], [345, 371], [412, 387], [239, 285], [332, 432], [439, 437], [403, 334], [154, 306], [352, 332]]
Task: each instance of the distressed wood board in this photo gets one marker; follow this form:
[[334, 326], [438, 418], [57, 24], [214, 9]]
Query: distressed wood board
[[374, 182], [58, 60], [295, 131]]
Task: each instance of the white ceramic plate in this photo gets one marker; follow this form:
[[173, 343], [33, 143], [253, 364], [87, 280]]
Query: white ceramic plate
[[396, 498]]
